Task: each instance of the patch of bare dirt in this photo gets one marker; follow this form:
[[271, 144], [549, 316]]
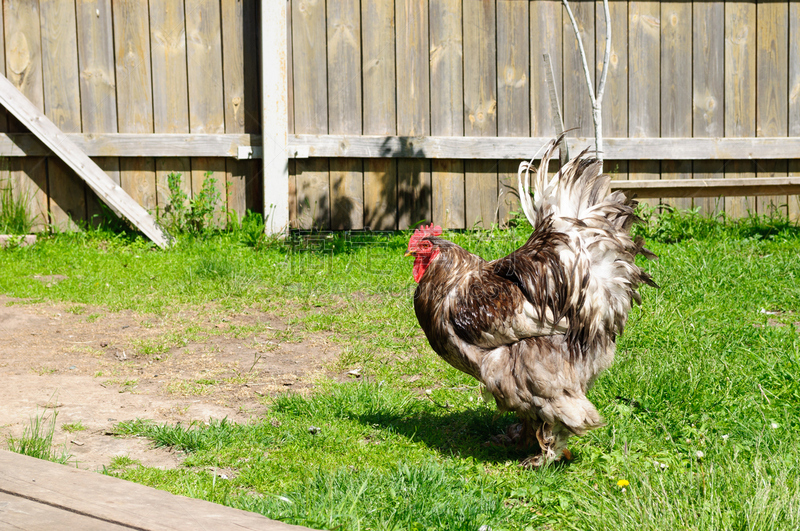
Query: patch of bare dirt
[[98, 368]]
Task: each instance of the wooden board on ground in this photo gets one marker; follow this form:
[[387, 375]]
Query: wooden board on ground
[[37, 494]]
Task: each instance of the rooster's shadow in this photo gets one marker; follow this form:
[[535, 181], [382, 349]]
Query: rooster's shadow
[[453, 433]]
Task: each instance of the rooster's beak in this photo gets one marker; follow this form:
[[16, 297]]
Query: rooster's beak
[[409, 253]]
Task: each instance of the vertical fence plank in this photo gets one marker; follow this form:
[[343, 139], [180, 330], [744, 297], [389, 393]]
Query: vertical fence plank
[[644, 35], [740, 95], [545, 37], [344, 111], [615, 101], [380, 111], [480, 108], [134, 95], [240, 71], [772, 91], [577, 104], [310, 109], [447, 116], [63, 106], [413, 110], [708, 77], [794, 97], [3, 112], [23, 59], [676, 91], [290, 112], [513, 93], [206, 90], [97, 84], [170, 89]]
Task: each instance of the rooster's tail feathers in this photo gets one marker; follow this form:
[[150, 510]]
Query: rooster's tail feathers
[[570, 193]]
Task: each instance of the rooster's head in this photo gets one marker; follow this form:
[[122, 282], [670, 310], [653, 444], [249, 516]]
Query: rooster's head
[[423, 249]]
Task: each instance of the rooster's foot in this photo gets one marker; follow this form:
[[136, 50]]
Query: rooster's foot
[[535, 461]]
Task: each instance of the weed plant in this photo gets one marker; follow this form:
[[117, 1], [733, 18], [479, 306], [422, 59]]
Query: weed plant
[[14, 216], [191, 215], [700, 406], [37, 440]]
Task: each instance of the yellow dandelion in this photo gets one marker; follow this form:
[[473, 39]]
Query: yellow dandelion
[[623, 483]]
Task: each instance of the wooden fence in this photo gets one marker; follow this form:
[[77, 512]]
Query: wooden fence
[[401, 110], [473, 68], [103, 67]]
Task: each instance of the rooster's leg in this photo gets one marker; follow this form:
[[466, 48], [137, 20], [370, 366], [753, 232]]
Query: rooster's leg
[[553, 443]]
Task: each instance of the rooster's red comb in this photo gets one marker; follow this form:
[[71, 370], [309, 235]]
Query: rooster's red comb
[[423, 232]]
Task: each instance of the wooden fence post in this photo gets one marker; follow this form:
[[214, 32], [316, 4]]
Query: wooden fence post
[[275, 116]]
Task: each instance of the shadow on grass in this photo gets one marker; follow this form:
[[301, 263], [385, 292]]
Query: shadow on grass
[[456, 433]]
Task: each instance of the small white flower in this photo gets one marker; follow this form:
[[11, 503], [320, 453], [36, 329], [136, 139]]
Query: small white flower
[[699, 454], [725, 437], [624, 490], [774, 425], [428, 392], [656, 464], [484, 527], [470, 399], [664, 466]]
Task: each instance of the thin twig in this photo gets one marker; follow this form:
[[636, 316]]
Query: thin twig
[[597, 100]]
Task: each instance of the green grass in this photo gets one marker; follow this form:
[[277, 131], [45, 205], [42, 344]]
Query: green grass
[[701, 405], [37, 440]]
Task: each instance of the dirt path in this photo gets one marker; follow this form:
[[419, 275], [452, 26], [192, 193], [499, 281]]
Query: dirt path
[[98, 368]]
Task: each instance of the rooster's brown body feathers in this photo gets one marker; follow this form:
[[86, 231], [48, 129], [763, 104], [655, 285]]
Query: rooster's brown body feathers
[[539, 325]]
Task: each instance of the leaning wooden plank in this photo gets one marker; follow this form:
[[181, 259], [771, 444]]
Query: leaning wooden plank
[[752, 186], [63, 106], [111, 193], [444, 147], [106, 499]]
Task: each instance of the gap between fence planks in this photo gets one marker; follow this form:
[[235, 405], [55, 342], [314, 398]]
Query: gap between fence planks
[[111, 193]]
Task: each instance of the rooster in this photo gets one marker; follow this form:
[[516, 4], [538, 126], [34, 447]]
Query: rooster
[[538, 326]]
